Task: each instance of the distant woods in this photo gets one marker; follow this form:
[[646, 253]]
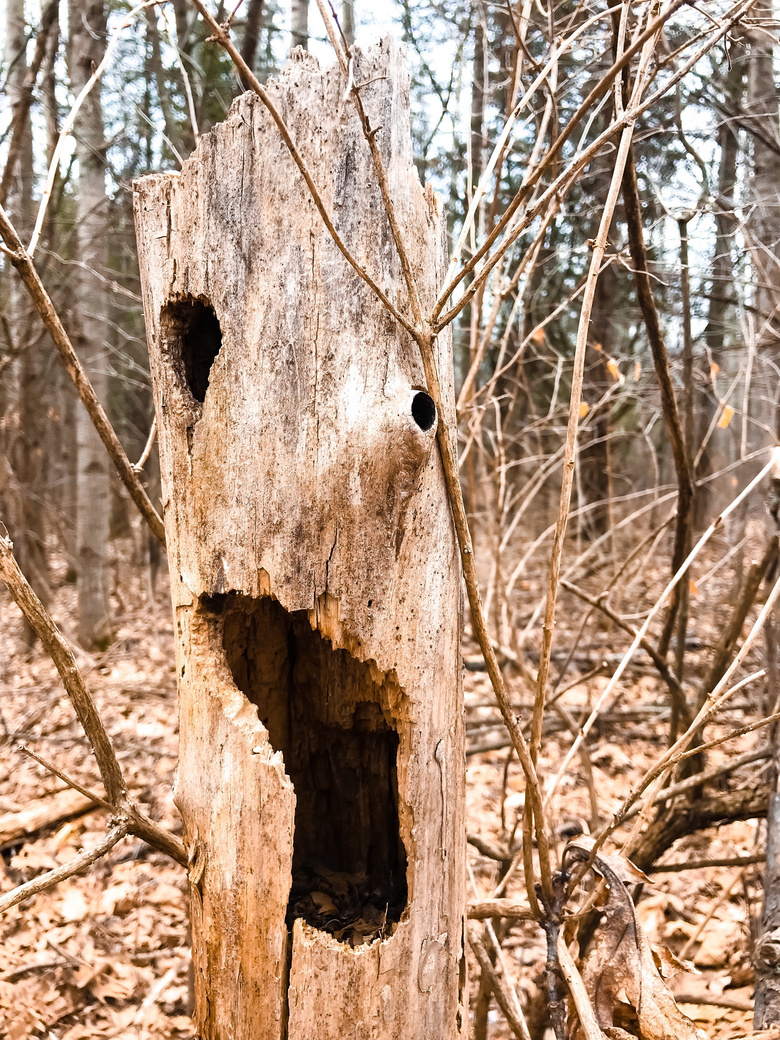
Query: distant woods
[[609, 176], [707, 150], [164, 88]]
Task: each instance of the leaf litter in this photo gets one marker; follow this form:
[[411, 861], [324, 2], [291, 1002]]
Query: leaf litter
[[106, 954]]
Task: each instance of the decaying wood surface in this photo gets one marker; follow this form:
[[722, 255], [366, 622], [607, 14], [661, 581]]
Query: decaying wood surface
[[315, 573]]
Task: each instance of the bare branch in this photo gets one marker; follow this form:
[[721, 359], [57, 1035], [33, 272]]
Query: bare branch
[[579, 994], [74, 866], [682, 464], [74, 784], [642, 632], [525, 191], [514, 1021], [507, 908], [62, 656], [664, 671]]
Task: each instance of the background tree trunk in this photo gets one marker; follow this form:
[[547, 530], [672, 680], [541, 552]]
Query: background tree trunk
[[764, 189], [315, 574], [254, 26], [764, 234], [478, 101], [22, 472], [299, 23], [348, 20], [723, 296], [87, 28]]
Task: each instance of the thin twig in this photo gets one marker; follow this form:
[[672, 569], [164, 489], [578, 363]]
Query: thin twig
[[723, 1001], [587, 1016], [675, 690], [61, 654], [515, 1023], [718, 901], [147, 447], [66, 779], [74, 866], [692, 782], [733, 629], [657, 606], [705, 864]]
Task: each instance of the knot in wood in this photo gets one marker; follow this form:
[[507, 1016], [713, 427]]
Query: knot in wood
[[767, 954]]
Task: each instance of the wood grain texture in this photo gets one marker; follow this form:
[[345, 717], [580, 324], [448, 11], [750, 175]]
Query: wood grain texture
[[314, 567]]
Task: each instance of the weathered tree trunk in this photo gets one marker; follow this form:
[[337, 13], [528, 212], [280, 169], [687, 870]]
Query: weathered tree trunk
[[315, 574], [87, 26]]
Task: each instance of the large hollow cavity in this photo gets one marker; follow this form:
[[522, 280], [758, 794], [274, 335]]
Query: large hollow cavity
[[323, 711], [194, 338]]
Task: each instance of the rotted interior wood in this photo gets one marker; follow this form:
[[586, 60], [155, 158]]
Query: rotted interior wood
[[314, 571], [332, 723]]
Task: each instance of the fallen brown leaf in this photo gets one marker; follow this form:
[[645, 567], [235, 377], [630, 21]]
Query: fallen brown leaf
[[629, 996]]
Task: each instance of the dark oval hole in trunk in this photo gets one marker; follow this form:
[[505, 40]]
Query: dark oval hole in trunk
[[194, 339]]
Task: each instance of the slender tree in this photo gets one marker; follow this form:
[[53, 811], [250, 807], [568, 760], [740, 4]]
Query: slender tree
[[764, 185], [723, 298], [254, 25], [348, 20], [764, 238], [299, 23], [21, 470], [87, 29]]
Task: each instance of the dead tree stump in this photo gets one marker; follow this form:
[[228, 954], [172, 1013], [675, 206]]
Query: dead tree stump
[[314, 570]]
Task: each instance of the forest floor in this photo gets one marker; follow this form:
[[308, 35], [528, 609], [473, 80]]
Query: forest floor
[[106, 954]]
